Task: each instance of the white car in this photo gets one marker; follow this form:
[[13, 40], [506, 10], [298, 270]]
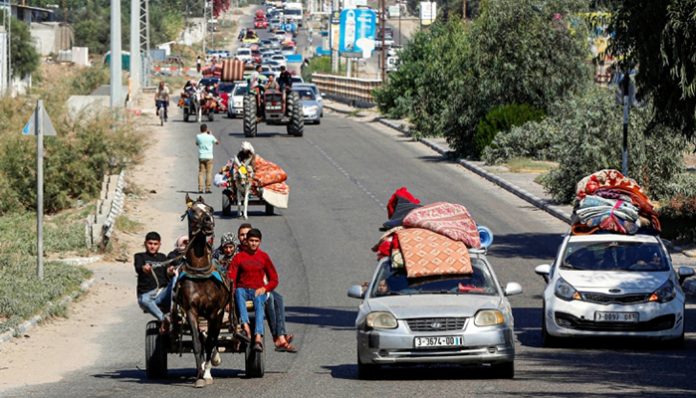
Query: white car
[[613, 285], [243, 54], [280, 59], [235, 104]]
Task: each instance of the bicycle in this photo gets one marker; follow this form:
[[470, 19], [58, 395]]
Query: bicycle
[[162, 111]]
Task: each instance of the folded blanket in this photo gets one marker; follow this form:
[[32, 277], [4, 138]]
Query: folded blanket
[[595, 212], [612, 182], [448, 219], [267, 173], [426, 253]]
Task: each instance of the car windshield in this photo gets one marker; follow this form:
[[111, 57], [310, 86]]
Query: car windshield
[[240, 90], [614, 256], [226, 87], [291, 11], [305, 94], [393, 282]]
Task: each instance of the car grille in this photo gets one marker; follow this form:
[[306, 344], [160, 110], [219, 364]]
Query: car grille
[[435, 324], [572, 322], [601, 298]]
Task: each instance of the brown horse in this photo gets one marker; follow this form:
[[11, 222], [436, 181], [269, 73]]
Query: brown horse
[[199, 293]]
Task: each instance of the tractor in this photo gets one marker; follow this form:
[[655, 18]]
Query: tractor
[[269, 106]]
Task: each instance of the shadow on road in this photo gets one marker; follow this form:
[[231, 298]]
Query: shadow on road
[[176, 377], [532, 245], [258, 134], [415, 372], [335, 318]]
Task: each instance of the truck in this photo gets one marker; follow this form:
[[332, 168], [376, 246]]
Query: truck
[[294, 12]]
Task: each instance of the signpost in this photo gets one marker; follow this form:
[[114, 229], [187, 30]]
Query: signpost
[[39, 124], [428, 12]]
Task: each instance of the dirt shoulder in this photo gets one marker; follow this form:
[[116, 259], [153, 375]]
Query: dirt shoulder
[[59, 346]]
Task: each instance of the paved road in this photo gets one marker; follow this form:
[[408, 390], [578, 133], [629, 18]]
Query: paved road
[[341, 174]]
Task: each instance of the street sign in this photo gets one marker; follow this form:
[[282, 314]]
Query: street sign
[[46, 124], [357, 31], [428, 12]]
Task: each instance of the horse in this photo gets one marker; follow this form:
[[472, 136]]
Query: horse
[[199, 293], [243, 176]]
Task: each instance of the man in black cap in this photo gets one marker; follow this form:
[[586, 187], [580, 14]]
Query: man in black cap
[[153, 292]]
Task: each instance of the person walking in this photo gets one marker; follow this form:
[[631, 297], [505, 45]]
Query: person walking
[[199, 64], [205, 142]]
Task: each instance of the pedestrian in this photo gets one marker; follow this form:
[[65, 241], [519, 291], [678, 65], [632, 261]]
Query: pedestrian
[[199, 64], [205, 141]]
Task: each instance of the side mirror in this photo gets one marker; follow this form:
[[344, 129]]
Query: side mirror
[[543, 270], [513, 288], [684, 273], [356, 291]]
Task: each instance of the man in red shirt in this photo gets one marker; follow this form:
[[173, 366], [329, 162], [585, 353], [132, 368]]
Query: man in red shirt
[[249, 271]]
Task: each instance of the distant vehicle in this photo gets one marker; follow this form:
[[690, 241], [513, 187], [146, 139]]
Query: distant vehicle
[[235, 106], [274, 24], [301, 85], [282, 61], [388, 38], [298, 79], [294, 12], [311, 108], [251, 37], [288, 50], [225, 89], [280, 35], [243, 54], [613, 285], [450, 319]]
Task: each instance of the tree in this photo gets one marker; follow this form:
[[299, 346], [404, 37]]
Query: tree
[[659, 37], [25, 58]]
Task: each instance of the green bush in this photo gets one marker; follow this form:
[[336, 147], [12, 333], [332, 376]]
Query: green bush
[[678, 218], [503, 118], [535, 140], [591, 139]]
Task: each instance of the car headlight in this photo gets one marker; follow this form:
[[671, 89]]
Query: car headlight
[[664, 293], [489, 318], [566, 291], [381, 320]]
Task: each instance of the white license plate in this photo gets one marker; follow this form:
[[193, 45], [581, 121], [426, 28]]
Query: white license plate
[[438, 341], [616, 316]]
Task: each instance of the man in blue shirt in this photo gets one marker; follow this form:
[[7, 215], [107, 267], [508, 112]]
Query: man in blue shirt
[[205, 142]]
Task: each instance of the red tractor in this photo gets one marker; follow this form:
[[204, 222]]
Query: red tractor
[[269, 106]]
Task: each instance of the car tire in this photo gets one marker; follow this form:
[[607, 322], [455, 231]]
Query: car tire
[[505, 370], [368, 371], [230, 115]]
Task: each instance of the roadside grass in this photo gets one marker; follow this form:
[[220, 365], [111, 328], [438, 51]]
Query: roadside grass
[[125, 224], [526, 165]]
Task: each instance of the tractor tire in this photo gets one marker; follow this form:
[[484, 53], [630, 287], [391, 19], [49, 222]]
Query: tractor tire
[[296, 123], [250, 116], [155, 351]]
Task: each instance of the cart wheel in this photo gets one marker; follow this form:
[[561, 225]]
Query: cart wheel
[[254, 361], [226, 204], [155, 351], [186, 114], [270, 210]]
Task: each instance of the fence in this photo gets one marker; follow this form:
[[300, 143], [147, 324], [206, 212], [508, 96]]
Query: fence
[[100, 225], [355, 91]]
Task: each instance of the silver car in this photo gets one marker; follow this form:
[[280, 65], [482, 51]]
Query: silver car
[[311, 108], [462, 319]]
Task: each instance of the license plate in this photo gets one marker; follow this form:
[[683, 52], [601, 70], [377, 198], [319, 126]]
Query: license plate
[[616, 316], [438, 341]]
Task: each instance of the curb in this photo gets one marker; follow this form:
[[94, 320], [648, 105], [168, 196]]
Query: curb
[[27, 325], [79, 261], [521, 193]]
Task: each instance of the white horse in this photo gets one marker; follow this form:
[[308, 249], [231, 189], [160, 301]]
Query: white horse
[[243, 177], [197, 103]]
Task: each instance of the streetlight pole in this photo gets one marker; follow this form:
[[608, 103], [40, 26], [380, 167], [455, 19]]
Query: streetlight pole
[[115, 54], [384, 49], [625, 85]]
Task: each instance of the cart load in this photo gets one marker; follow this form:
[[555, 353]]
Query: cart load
[[268, 182], [429, 240], [609, 201]]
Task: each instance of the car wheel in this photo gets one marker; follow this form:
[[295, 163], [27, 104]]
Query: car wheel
[[505, 370], [230, 115], [368, 371]]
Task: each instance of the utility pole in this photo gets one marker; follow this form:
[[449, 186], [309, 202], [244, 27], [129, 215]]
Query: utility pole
[[205, 24], [145, 41], [333, 39], [625, 85], [400, 10], [135, 67], [464, 9], [38, 126], [116, 88], [383, 33]]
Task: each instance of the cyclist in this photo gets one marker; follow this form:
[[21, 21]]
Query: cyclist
[[162, 98]]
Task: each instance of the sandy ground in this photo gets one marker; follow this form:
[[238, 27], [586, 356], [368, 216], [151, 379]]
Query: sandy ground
[[65, 345]]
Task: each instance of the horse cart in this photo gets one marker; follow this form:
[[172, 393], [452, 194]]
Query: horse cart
[[179, 341], [229, 198]]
